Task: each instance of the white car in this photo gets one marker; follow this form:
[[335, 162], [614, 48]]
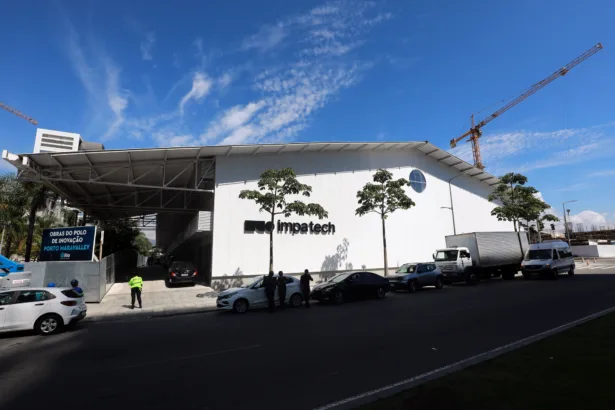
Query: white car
[[44, 310], [253, 296]]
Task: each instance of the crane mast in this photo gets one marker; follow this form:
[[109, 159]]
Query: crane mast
[[475, 131]]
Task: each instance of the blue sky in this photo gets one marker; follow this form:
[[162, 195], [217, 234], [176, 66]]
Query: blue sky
[[142, 74]]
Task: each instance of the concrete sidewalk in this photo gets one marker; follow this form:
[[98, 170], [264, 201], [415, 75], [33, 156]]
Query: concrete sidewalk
[[157, 301]]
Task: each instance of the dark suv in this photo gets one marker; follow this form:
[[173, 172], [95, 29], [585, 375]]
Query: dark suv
[[182, 272]]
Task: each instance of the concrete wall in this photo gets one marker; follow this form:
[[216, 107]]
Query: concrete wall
[[95, 278], [412, 235], [594, 251]]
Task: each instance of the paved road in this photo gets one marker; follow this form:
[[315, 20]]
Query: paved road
[[296, 359]]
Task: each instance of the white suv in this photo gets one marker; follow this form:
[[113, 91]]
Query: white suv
[[45, 310]]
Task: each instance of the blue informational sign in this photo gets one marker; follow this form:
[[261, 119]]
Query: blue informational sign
[[68, 244]]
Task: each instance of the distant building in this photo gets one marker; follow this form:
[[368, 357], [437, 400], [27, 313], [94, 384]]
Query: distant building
[[60, 141]]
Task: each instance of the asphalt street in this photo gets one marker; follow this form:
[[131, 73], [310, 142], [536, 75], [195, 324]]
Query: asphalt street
[[292, 359]]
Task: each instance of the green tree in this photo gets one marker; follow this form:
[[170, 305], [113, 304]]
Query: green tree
[[142, 244], [13, 206], [40, 199], [383, 197], [518, 202], [274, 188]]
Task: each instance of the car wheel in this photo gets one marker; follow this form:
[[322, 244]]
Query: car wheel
[[338, 297], [571, 271], [554, 274], [48, 325], [240, 306], [295, 300], [413, 286], [471, 279], [380, 293], [439, 283]]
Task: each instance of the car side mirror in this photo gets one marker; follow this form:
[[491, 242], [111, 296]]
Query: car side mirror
[[433, 256]]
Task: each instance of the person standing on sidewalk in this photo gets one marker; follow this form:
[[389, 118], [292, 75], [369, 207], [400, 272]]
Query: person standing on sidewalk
[[282, 289], [305, 280], [75, 285], [136, 286], [269, 282]]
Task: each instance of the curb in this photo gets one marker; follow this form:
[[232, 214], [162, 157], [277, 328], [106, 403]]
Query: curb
[[141, 316], [395, 388]]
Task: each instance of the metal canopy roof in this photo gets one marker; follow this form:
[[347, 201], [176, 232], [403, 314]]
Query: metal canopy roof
[[117, 183]]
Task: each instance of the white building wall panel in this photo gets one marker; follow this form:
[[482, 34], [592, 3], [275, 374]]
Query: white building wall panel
[[335, 178]]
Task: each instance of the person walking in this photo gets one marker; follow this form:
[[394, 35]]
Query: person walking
[[136, 286], [304, 281], [269, 282], [282, 289], [75, 285]]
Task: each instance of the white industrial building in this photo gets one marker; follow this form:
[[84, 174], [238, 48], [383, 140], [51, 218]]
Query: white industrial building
[[195, 193]]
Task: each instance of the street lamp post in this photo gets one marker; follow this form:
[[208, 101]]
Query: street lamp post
[[450, 192], [565, 221]]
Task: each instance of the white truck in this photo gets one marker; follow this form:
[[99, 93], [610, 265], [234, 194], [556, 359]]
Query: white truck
[[473, 256]]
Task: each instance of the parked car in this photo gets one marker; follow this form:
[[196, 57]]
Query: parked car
[[413, 276], [182, 272], [252, 296], [351, 286], [548, 259], [44, 310]]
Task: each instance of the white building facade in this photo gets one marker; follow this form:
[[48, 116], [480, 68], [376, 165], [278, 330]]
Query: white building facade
[[347, 241]]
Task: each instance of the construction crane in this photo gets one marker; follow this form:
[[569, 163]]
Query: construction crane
[[17, 113], [475, 131]]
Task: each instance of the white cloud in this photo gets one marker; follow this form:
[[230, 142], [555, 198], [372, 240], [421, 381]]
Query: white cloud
[[147, 45], [507, 151], [116, 98], [225, 80], [588, 219], [201, 84], [230, 120], [266, 39], [605, 173]]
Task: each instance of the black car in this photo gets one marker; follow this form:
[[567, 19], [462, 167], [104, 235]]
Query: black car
[[182, 272], [351, 286]]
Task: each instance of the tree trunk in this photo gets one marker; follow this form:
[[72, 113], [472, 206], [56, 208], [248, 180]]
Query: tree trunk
[[271, 243], [31, 221], [384, 246], [2, 240], [9, 245]]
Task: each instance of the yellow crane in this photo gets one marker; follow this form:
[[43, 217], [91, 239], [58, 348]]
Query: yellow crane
[[18, 113], [475, 131]]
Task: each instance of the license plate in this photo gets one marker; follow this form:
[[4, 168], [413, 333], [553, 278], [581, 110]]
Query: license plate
[[184, 274]]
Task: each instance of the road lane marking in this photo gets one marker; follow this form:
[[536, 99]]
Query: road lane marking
[[394, 388], [132, 366]]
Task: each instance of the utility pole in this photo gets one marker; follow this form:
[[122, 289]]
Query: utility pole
[[452, 208], [565, 221]]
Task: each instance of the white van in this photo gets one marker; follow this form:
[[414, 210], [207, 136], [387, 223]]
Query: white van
[[548, 259]]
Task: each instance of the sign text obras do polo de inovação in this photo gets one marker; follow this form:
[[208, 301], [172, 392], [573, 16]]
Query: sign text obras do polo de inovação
[[288, 227], [68, 244]]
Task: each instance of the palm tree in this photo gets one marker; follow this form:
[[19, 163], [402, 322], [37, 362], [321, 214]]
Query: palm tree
[[41, 198], [13, 204]]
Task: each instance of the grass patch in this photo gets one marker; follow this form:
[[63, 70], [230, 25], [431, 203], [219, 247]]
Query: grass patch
[[572, 370]]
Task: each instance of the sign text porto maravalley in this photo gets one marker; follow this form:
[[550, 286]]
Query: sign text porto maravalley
[[68, 244]]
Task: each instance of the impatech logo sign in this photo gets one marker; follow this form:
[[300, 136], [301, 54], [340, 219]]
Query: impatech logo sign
[[289, 227]]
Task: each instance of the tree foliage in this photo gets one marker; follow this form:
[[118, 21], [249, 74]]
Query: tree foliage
[[518, 202], [383, 197], [275, 186]]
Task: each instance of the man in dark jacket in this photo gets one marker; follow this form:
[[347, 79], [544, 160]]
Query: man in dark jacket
[[282, 289], [305, 280], [269, 283]]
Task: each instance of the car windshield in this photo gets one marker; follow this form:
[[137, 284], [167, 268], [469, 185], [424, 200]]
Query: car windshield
[[446, 256], [538, 254], [182, 265], [407, 268], [256, 280], [340, 277]]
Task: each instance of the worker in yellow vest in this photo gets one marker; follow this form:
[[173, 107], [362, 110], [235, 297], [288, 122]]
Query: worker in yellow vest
[[136, 285]]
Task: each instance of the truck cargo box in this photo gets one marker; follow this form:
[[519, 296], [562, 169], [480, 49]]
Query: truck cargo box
[[491, 249]]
